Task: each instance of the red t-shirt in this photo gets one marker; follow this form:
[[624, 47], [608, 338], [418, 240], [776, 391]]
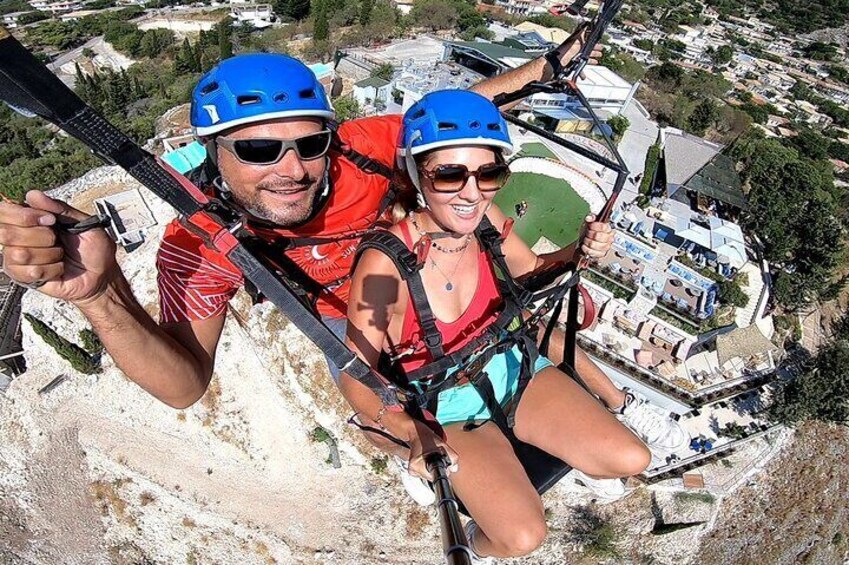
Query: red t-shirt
[[195, 282]]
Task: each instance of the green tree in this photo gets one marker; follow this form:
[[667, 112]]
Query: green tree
[[839, 150], [667, 74], [292, 9], [91, 342], [722, 55], [838, 73], [704, 116], [821, 391], [31, 18], [384, 71], [79, 359], [811, 144], [758, 113], [365, 11], [187, 59], [644, 44], [321, 28], [225, 42], [434, 14], [731, 293], [619, 124], [347, 108], [820, 51], [384, 22], [549, 20], [155, 41]]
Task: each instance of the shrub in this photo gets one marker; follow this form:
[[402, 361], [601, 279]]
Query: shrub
[[91, 342], [79, 359]]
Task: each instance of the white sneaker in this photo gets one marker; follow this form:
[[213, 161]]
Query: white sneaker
[[417, 488], [471, 528], [607, 490], [658, 431]]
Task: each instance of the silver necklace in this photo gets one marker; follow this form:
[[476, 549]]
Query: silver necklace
[[435, 245], [449, 286]]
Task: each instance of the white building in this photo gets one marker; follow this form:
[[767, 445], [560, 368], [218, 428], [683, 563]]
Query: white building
[[71, 16], [373, 91], [522, 7], [11, 20], [62, 7], [604, 89], [258, 15], [404, 6]]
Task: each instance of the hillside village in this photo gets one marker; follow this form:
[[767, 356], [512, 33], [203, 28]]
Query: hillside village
[[697, 301]]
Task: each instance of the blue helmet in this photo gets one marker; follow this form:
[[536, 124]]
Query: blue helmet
[[448, 118], [256, 87]]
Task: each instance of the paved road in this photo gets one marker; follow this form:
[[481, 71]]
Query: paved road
[[641, 134]]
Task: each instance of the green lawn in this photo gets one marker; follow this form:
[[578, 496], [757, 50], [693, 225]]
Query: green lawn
[[554, 209], [536, 150]]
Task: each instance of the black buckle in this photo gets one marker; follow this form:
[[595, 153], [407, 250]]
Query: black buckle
[[433, 340]]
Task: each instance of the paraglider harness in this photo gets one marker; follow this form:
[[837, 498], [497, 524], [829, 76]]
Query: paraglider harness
[[510, 327]]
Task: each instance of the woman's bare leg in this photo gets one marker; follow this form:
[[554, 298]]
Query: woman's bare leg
[[561, 418], [496, 491]]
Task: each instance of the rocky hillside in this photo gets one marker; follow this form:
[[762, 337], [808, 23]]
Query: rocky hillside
[[98, 472]]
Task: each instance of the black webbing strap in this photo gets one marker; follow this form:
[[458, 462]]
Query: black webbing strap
[[354, 421], [491, 239], [364, 163], [410, 270], [493, 333]]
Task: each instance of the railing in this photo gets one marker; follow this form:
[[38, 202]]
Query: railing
[[695, 399], [699, 459]]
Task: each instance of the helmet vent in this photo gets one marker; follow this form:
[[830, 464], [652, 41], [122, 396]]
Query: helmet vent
[[447, 126], [281, 97], [493, 127], [209, 88], [248, 100], [419, 113], [475, 124], [307, 93]]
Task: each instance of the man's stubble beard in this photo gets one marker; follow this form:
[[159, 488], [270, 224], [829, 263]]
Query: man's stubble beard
[[284, 215]]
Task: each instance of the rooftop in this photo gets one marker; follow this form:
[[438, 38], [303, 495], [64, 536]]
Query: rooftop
[[552, 34], [719, 180], [499, 54], [685, 154], [375, 82], [743, 343]]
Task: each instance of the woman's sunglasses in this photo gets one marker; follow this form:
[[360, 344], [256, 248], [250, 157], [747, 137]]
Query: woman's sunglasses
[[452, 178], [270, 151]]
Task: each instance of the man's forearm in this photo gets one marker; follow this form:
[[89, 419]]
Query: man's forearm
[[512, 80], [142, 350]]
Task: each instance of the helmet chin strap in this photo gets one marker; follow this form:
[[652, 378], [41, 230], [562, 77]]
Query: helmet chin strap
[[413, 171]]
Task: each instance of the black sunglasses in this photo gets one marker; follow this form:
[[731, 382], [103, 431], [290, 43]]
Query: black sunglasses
[[270, 151], [452, 178]]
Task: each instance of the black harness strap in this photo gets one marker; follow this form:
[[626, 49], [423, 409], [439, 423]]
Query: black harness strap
[[364, 163], [473, 358]]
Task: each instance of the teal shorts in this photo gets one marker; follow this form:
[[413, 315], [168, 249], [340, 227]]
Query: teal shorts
[[464, 404]]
